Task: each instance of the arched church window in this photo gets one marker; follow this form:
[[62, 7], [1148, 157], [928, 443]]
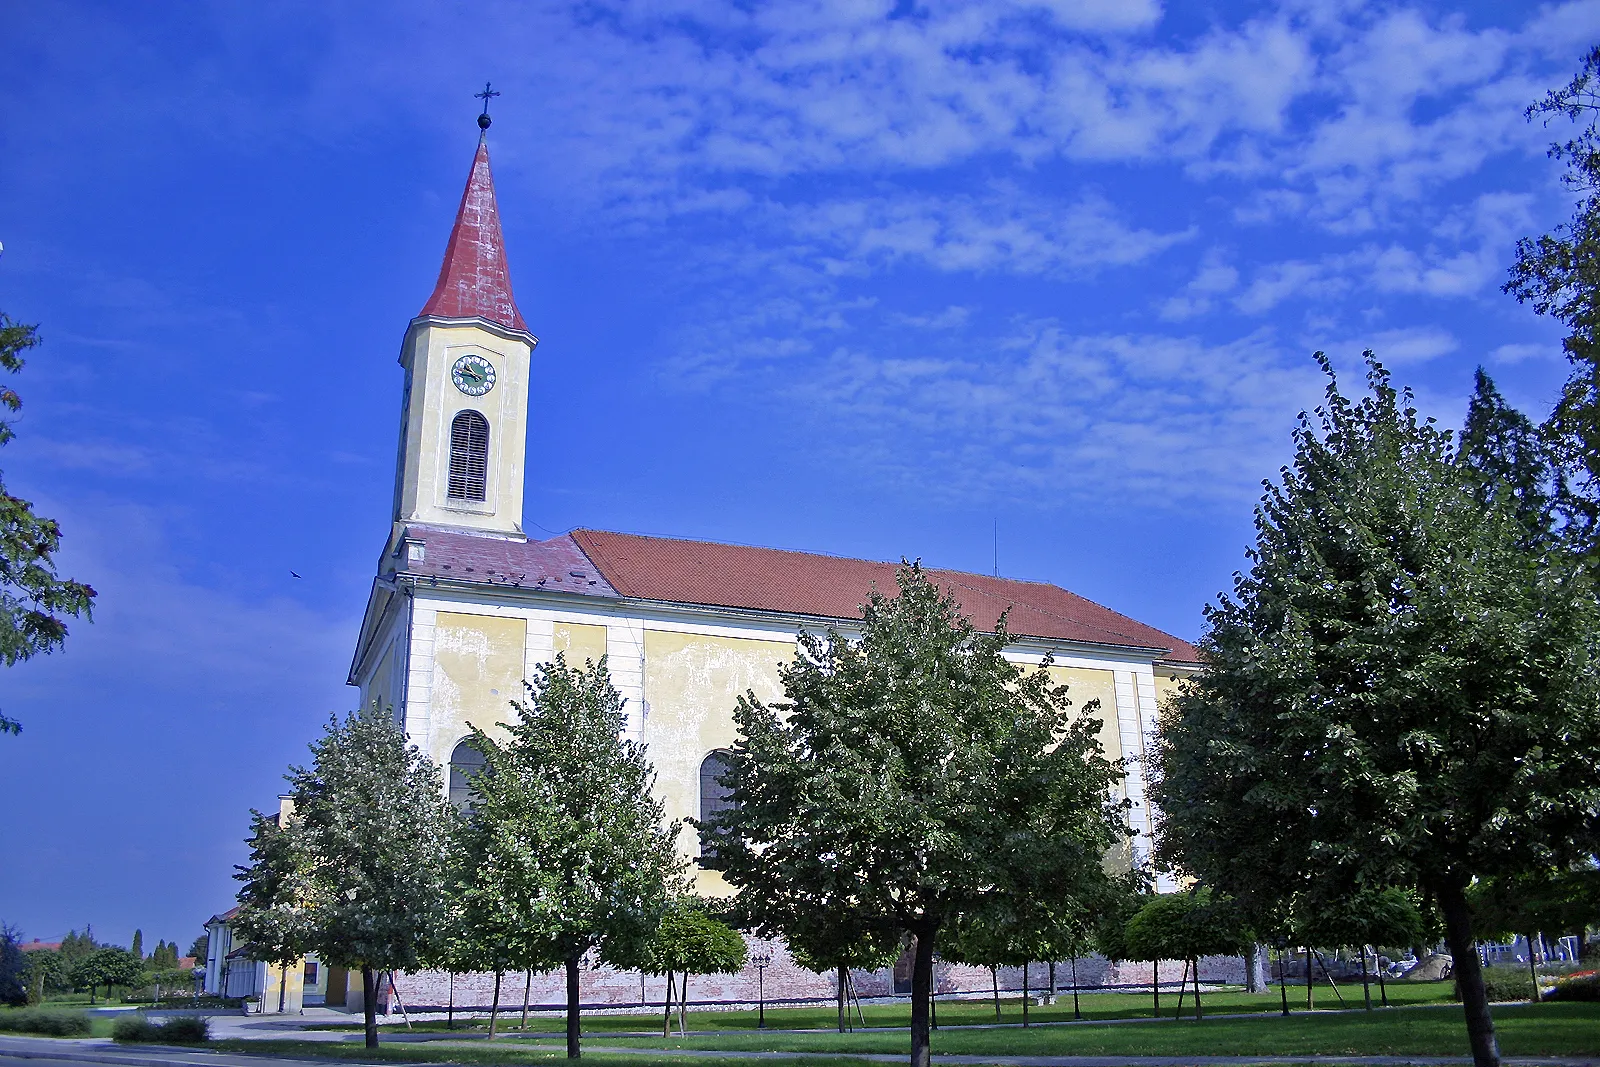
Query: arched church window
[[469, 456], [466, 763], [714, 795]]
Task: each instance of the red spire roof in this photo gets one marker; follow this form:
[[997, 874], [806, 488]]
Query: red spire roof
[[474, 281]]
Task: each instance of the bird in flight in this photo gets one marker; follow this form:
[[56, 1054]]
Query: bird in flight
[[292, 574]]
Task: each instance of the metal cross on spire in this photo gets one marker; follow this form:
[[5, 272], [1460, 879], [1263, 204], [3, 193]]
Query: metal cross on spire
[[487, 95]]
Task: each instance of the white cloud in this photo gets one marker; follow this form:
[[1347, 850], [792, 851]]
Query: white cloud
[[1003, 230], [1523, 353], [1045, 411], [1395, 347]]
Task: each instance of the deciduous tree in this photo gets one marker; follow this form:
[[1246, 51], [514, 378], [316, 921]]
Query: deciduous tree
[[691, 939], [371, 825], [35, 601], [1558, 274], [1400, 691], [911, 774], [273, 922], [567, 849]]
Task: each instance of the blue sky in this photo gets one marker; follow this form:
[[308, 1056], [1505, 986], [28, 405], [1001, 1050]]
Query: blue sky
[[864, 278]]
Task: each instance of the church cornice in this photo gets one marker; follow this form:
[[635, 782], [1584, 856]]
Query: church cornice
[[508, 333]]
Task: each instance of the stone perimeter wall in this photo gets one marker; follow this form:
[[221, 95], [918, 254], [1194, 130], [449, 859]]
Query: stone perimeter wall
[[785, 980]]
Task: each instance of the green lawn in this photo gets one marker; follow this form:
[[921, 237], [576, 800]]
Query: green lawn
[[486, 1054], [1525, 1030], [951, 1012]]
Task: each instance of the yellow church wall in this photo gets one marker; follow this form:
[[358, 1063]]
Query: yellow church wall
[[1166, 686], [1085, 684], [383, 679], [477, 672], [580, 641], [691, 684]]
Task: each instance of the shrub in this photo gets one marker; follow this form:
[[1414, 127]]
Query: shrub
[[186, 1029], [178, 1030], [1584, 985], [48, 1023], [1504, 984], [133, 1027]]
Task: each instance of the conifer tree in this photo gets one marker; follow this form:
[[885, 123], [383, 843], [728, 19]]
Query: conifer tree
[[371, 824], [1401, 691], [564, 849], [910, 775]]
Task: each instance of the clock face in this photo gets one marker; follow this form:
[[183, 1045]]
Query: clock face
[[473, 375]]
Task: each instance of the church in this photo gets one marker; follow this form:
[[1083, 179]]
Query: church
[[465, 603]]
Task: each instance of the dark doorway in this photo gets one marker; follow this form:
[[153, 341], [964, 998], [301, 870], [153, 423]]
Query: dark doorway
[[902, 969], [338, 985]]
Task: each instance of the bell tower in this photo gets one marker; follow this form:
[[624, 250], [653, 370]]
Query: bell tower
[[464, 416]]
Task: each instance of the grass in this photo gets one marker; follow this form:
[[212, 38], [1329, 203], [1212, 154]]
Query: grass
[[951, 1012], [1524, 1030], [482, 1053]]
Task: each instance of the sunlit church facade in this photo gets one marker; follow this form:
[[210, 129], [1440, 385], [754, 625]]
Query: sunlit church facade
[[465, 604]]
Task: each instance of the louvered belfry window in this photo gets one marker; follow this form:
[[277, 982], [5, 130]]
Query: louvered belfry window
[[469, 457]]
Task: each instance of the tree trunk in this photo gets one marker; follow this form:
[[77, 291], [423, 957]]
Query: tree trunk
[[1309, 996], [450, 1010], [369, 1004], [1197, 1012], [1469, 973], [1257, 965], [843, 1006], [994, 973], [283, 986], [683, 1005], [1052, 983], [666, 1018], [494, 1006], [1025, 997], [921, 996], [573, 1008], [1155, 986], [1383, 988], [527, 989]]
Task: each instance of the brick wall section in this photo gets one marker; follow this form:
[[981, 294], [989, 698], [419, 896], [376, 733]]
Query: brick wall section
[[785, 981]]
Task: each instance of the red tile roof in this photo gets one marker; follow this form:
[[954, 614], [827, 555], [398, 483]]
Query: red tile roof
[[802, 583], [557, 565], [602, 564], [599, 563], [474, 281], [41, 946]]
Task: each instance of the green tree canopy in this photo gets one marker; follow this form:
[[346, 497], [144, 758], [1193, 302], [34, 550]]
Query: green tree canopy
[[1558, 274], [1365, 916], [910, 775], [1400, 691], [370, 830], [691, 939], [1185, 926], [35, 601], [273, 921], [565, 848]]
